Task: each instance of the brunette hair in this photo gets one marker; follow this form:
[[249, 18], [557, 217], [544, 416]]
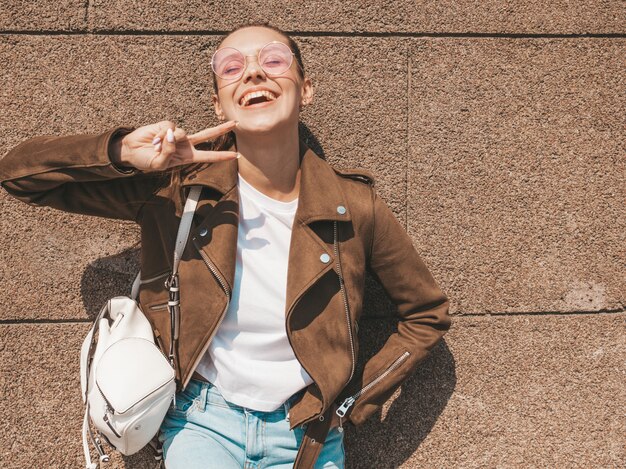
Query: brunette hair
[[225, 141]]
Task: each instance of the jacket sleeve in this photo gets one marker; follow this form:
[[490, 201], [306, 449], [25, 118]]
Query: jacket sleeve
[[75, 173], [422, 309]]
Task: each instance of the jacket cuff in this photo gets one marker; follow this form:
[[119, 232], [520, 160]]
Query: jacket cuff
[[108, 138]]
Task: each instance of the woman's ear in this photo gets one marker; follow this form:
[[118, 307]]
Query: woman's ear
[[218, 107], [306, 94]]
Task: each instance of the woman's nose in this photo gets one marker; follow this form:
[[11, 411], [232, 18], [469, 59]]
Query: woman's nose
[[253, 69]]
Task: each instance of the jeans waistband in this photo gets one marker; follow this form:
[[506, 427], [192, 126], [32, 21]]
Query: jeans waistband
[[204, 387]]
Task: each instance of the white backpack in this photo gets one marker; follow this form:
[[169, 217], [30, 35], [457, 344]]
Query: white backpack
[[127, 382]]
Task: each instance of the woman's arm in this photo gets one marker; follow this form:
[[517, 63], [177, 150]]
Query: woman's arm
[[86, 173], [422, 309], [75, 173]]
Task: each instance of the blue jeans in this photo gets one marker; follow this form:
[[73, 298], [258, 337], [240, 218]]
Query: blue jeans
[[204, 431]]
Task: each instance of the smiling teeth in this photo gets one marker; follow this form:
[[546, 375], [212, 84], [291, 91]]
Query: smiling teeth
[[255, 94]]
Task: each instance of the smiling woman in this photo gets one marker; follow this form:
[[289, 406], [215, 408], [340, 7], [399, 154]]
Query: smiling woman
[[271, 278], [268, 63], [257, 82]]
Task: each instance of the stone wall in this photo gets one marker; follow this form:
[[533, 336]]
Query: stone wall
[[496, 132]]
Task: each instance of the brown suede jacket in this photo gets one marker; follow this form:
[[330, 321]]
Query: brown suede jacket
[[325, 278]]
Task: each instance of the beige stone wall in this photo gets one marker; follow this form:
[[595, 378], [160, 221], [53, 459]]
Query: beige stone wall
[[496, 131]]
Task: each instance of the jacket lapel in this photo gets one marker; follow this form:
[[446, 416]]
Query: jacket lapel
[[218, 216], [310, 257]]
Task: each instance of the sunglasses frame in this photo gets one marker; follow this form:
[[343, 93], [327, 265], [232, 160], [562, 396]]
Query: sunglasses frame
[[257, 55]]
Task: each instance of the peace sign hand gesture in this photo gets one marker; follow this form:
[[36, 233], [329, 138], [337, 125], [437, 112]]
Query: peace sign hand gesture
[[160, 146]]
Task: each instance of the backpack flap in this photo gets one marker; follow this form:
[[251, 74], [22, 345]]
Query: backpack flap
[[125, 383]]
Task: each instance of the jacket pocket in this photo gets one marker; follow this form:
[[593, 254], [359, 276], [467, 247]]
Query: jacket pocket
[[350, 400], [158, 306]]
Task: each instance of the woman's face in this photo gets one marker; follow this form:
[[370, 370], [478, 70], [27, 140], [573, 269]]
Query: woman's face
[[290, 90]]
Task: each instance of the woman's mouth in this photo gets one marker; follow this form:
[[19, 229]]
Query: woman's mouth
[[257, 99]]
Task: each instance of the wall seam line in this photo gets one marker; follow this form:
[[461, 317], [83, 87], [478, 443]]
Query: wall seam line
[[513, 315], [615, 312], [131, 32], [408, 135]]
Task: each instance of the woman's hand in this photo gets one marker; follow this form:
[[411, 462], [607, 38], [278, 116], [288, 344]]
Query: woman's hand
[[157, 147]]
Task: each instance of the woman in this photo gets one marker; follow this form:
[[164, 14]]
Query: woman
[[271, 280]]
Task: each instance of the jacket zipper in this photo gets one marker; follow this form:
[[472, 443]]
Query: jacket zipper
[[108, 411], [224, 286], [346, 309], [345, 301], [349, 401]]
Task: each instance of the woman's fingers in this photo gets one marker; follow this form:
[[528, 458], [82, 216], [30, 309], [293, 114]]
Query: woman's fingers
[[167, 146], [212, 132], [173, 147]]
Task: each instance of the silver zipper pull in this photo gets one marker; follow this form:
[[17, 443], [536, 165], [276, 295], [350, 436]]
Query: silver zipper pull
[[101, 454], [345, 405], [340, 427], [173, 365], [107, 418]]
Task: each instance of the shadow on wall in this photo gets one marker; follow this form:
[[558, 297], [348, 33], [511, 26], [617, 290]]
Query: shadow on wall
[[411, 416], [108, 277]]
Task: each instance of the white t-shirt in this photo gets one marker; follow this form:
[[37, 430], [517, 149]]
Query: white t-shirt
[[250, 360]]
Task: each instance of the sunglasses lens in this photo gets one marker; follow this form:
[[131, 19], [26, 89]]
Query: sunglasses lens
[[275, 58], [228, 63]]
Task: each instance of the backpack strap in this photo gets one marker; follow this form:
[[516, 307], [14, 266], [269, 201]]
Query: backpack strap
[[181, 238], [173, 305], [134, 291]]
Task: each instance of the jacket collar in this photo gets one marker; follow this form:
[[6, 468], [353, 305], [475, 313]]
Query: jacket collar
[[320, 193]]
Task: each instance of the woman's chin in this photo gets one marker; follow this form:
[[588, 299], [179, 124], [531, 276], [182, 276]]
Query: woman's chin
[[258, 125]]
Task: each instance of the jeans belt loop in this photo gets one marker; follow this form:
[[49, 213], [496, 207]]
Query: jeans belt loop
[[204, 392], [289, 403]]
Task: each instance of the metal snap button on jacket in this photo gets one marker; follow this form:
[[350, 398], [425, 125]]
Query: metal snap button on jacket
[[325, 258], [203, 232], [341, 209]]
